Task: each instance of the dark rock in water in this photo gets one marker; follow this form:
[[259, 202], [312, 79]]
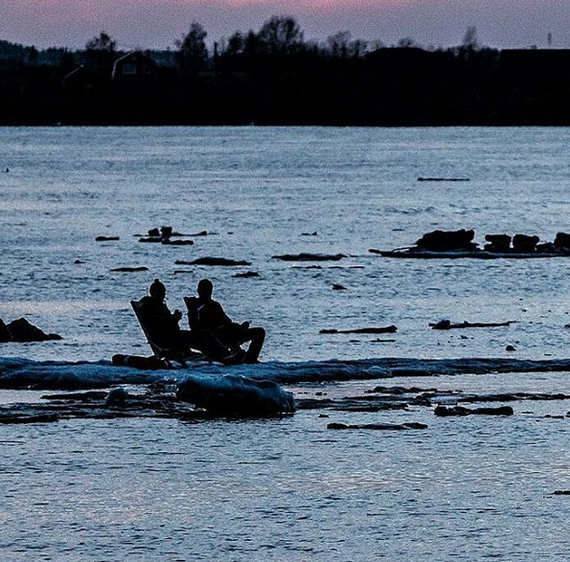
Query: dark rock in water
[[524, 243], [169, 242], [310, 257], [337, 287], [235, 395], [77, 262], [444, 411], [442, 240], [247, 274], [447, 325], [166, 231], [116, 397], [202, 233], [562, 241], [505, 397], [549, 248], [498, 242], [214, 261], [561, 493], [379, 426], [510, 348], [443, 179], [106, 238], [130, 269], [5, 335], [309, 233], [154, 232], [151, 239], [22, 331], [380, 330]]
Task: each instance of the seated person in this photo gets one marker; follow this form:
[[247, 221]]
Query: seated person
[[163, 329], [204, 313]]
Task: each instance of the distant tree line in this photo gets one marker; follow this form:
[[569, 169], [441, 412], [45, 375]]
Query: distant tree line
[[274, 76]]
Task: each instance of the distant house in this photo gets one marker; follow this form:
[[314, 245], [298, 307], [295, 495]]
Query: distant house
[[133, 66]]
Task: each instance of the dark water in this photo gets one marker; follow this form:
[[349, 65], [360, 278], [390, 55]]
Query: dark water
[[468, 488]]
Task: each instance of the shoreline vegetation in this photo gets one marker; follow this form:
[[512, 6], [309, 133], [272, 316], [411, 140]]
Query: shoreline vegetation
[[274, 76]]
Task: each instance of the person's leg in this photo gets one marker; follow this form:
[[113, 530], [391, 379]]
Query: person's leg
[[256, 336]]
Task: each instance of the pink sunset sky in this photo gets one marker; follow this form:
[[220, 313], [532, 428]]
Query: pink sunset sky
[[157, 23]]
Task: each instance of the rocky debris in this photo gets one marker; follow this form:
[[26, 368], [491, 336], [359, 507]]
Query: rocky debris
[[117, 403], [169, 242], [561, 493], [399, 390], [445, 411], [448, 325], [515, 396], [5, 335], [337, 287], [116, 397], [22, 331], [310, 257], [459, 244], [106, 238], [525, 244], [130, 269], [151, 239], [510, 348], [247, 274], [379, 426], [373, 330], [562, 241], [309, 233], [497, 243], [236, 396], [214, 261], [162, 235], [442, 240], [443, 179]]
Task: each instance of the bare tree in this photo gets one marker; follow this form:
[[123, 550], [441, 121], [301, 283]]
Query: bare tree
[[102, 43], [471, 39], [192, 50], [281, 35]]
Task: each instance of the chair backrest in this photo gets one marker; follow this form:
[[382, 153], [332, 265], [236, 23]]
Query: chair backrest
[[191, 305], [157, 350]]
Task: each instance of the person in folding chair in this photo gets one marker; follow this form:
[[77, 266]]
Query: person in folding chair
[[163, 331], [204, 313]]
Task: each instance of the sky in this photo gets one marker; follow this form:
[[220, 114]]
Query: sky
[[156, 24]]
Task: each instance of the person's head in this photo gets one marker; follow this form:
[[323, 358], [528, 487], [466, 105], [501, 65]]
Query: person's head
[[157, 290], [205, 289]]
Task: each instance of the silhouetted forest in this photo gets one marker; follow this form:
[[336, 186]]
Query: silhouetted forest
[[273, 76]]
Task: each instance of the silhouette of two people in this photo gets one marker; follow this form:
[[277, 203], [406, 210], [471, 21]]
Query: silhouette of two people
[[164, 331], [211, 331], [206, 314]]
